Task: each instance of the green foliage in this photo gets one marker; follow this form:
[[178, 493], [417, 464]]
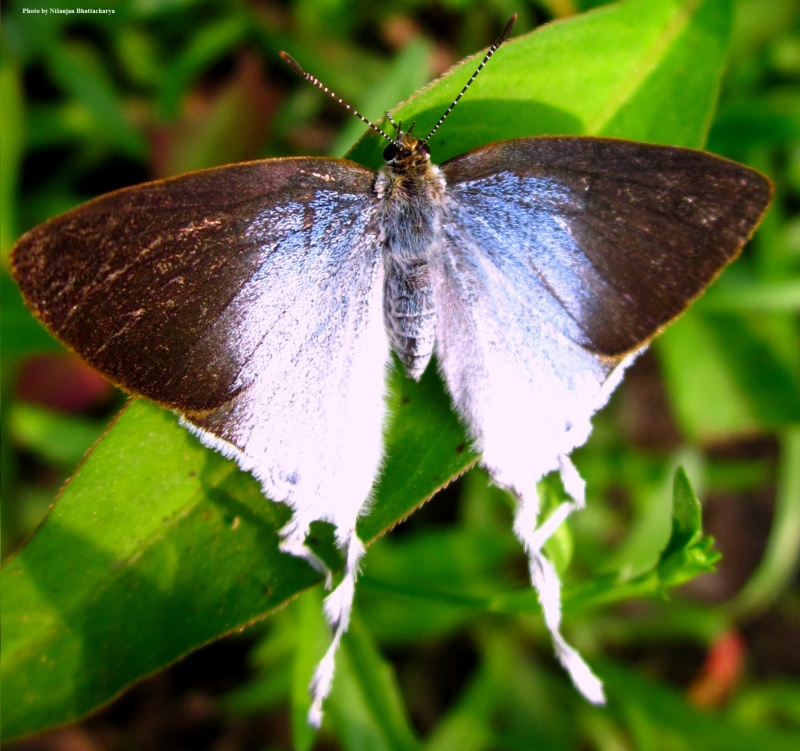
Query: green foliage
[[157, 546]]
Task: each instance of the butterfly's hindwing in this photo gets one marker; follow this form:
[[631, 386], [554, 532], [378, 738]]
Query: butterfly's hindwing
[[310, 322], [525, 389]]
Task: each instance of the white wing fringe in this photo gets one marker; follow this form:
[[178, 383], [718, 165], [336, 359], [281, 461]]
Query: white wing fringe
[[545, 579], [338, 607], [293, 541], [339, 603]]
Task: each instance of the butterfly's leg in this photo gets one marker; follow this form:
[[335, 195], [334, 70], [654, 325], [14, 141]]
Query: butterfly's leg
[[293, 541], [545, 578], [338, 606]]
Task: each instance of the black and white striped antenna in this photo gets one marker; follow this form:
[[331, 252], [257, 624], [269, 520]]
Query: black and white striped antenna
[[502, 38], [295, 66]]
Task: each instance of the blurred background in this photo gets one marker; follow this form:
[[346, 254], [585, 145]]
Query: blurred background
[[91, 103]]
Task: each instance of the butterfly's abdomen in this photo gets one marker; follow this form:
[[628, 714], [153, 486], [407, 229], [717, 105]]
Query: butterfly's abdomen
[[408, 312], [410, 225]]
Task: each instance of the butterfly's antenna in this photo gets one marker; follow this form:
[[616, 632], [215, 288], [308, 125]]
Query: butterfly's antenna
[[295, 66], [489, 53]]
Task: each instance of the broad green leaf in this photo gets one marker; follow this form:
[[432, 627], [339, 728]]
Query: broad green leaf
[[157, 546]]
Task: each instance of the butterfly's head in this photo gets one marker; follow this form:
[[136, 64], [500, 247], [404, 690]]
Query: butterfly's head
[[406, 152]]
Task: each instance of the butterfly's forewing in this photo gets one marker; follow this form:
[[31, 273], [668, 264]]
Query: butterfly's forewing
[[248, 299], [149, 284], [612, 238]]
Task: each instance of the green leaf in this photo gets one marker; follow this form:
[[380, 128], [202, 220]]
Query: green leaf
[[442, 591], [687, 514], [176, 549], [688, 553], [158, 546]]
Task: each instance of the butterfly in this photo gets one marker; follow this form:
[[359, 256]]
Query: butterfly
[[263, 301]]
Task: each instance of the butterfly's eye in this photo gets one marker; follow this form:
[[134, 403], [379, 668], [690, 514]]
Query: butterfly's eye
[[391, 152], [423, 148]]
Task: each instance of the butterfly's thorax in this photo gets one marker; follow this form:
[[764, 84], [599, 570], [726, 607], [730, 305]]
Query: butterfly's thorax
[[411, 193]]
